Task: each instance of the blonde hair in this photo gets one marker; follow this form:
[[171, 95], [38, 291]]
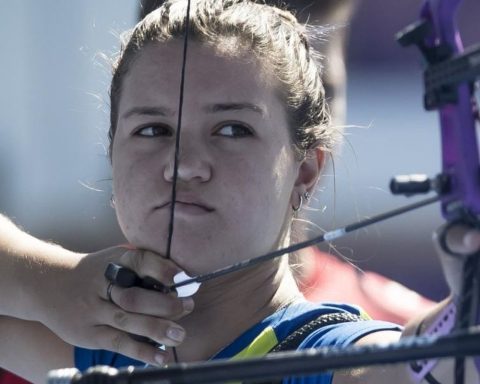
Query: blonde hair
[[273, 35]]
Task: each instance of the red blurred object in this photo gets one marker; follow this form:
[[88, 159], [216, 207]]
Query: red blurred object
[[10, 378], [329, 279]]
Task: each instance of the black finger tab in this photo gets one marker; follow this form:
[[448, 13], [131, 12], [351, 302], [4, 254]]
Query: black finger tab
[[150, 283], [126, 278], [121, 276]]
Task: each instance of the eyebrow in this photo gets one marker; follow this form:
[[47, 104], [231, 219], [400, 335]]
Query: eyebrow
[[212, 108], [222, 107], [149, 111]]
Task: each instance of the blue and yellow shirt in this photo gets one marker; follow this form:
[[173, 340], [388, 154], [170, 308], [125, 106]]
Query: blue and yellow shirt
[[262, 337]]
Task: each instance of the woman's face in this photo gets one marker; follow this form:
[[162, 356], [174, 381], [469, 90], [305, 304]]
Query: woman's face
[[237, 168]]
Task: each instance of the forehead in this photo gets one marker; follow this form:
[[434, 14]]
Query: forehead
[[155, 73]]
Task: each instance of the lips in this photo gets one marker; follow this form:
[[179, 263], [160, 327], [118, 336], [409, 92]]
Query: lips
[[188, 205]]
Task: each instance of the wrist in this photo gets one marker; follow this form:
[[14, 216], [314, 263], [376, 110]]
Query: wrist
[[46, 265], [440, 325]]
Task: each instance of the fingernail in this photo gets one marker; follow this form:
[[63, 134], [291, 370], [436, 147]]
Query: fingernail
[[176, 334], [159, 358], [188, 304], [471, 240]]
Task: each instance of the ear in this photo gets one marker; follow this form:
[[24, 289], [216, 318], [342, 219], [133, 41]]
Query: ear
[[310, 170]]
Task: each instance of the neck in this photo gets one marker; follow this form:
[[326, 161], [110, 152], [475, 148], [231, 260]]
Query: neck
[[228, 306]]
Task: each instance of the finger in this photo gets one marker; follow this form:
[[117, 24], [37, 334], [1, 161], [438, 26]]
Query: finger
[[162, 331], [106, 292], [152, 303], [114, 340], [471, 240], [452, 264], [462, 239], [146, 263], [128, 246]]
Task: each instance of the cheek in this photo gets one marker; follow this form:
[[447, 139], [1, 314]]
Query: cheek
[[133, 169], [260, 190], [124, 178], [123, 191], [134, 192]]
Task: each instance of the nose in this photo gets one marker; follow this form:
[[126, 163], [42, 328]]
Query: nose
[[193, 165]]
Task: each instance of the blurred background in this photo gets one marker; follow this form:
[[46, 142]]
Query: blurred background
[[55, 174]]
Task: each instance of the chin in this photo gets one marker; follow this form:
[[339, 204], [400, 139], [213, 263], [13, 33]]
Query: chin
[[199, 261], [157, 245], [193, 267]]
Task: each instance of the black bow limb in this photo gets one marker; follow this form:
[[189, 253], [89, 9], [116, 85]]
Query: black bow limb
[[282, 364]]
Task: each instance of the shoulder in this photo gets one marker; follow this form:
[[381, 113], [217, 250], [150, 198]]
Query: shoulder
[[339, 333], [349, 333], [343, 334]]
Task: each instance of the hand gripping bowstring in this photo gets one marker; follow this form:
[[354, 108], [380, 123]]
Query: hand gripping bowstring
[[449, 78]]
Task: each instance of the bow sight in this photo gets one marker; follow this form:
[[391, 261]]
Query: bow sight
[[449, 83]]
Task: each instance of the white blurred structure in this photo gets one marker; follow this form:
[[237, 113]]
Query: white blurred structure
[[54, 113]]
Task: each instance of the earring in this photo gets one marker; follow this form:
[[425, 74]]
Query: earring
[[112, 201], [306, 195], [296, 209]]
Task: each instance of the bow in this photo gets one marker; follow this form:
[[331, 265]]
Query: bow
[[449, 88], [449, 78]]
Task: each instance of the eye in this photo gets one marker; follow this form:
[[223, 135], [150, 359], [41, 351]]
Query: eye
[[153, 131], [234, 130]]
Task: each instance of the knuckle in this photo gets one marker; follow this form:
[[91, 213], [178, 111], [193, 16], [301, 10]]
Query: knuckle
[[138, 259], [177, 308], [120, 319], [128, 299], [168, 272], [132, 259], [118, 341], [171, 306], [126, 258]]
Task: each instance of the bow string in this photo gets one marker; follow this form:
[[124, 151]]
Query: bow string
[[176, 159]]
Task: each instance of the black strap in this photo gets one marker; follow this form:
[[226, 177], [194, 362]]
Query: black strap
[[292, 341]]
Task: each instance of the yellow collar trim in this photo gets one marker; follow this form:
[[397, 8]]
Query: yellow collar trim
[[260, 346]]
